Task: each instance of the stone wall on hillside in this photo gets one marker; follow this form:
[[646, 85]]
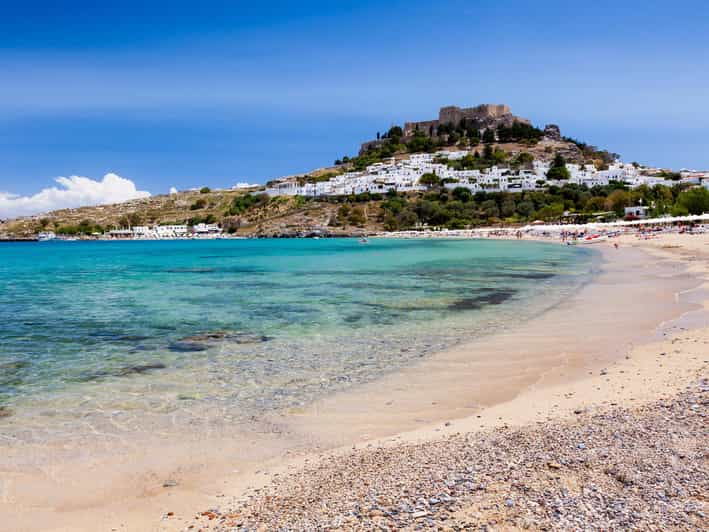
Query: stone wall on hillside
[[485, 115]]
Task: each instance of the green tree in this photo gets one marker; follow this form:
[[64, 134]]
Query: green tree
[[595, 204], [488, 136], [199, 204], [135, 218], [695, 200], [524, 159], [357, 216], [244, 202], [525, 208], [558, 169], [204, 190], [462, 194], [429, 180], [617, 201], [508, 208], [395, 131], [407, 218], [343, 214], [551, 211], [489, 209]]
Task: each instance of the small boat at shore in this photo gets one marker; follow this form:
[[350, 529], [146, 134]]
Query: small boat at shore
[[364, 240], [592, 239]]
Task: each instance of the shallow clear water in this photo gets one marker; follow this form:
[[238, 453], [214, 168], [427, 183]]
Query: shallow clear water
[[93, 329]]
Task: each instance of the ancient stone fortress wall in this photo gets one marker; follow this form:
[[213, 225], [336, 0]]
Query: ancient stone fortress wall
[[485, 116], [482, 113], [424, 127]]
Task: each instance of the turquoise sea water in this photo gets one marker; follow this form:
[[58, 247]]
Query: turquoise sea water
[[228, 328]]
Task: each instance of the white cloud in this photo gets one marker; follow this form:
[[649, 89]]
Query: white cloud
[[74, 191], [173, 190]]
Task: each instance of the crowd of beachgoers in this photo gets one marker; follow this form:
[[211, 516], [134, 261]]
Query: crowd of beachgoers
[[576, 234]]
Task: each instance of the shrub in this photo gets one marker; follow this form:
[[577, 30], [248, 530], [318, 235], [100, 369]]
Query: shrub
[[695, 200]]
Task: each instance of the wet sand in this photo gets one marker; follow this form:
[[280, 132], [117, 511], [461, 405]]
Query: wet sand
[[570, 357]]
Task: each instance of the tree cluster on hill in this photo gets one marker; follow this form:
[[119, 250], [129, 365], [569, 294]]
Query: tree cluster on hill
[[464, 134], [558, 170], [459, 208], [490, 157], [84, 227], [243, 203]]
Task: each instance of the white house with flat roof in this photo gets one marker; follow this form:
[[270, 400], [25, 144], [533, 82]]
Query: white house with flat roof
[[637, 211], [404, 176], [171, 231]]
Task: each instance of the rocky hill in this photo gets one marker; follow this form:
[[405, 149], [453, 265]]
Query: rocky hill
[[477, 119], [251, 212], [246, 213]]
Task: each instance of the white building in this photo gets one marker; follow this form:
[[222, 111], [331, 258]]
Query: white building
[[404, 175], [143, 231], [203, 229], [637, 211], [170, 231]]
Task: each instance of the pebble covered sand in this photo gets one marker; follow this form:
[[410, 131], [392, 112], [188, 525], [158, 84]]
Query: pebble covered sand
[[615, 468]]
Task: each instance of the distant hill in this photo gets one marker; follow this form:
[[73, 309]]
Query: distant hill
[[251, 212], [468, 128], [244, 212]]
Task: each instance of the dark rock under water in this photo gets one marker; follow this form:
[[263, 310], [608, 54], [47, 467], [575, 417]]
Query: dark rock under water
[[14, 365], [232, 336], [495, 297], [528, 275], [11, 373], [190, 270], [132, 338], [187, 347], [137, 369], [206, 337]]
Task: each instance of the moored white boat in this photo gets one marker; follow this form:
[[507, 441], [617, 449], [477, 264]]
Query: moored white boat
[[592, 239]]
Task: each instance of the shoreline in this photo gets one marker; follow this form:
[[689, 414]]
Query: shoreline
[[668, 376], [314, 429]]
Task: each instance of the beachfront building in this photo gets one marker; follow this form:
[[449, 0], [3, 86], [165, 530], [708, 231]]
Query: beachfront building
[[165, 232], [120, 234], [171, 231], [142, 232], [636, 211], [203, 229]]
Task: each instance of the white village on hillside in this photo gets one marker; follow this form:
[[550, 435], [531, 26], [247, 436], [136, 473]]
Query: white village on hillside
[[404, 176]]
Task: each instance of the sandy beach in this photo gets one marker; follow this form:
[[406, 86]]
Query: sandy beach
[[590, 415]]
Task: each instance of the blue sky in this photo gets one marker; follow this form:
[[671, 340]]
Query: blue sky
[[210, 93]]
